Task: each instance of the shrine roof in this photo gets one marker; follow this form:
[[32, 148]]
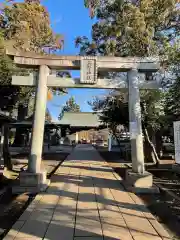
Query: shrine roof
[[80, 119]]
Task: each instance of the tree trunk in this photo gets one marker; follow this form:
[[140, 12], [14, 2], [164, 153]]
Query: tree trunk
[[114, 129], [159, 145], [150, 148], [6, 153], [117, 139], [19, 137]]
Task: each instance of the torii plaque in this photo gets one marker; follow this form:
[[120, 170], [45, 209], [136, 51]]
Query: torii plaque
[[88, 70]]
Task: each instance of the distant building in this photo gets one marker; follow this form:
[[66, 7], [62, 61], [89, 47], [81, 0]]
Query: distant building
[[80, 119], [84, 126]]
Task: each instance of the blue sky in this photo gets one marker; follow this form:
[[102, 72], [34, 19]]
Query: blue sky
[[71, 19]]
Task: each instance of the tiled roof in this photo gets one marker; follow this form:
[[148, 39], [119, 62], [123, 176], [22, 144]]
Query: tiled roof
[[80, 119]]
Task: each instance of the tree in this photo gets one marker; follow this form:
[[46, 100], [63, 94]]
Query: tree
[[112, 111], [172, 95], [93, 5], [48, 115], [134, 28], [26, 26], [70, 106]]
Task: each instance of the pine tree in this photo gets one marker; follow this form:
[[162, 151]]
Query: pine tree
[[134, 28], [70, 106]]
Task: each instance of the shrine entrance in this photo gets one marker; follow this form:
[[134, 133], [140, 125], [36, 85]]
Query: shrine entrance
[[89, 67]]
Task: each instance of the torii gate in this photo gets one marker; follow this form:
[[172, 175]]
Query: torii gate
[[89, 66]]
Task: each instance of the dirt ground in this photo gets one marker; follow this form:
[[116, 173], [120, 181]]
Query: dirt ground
[[12, 206], [164, 206]]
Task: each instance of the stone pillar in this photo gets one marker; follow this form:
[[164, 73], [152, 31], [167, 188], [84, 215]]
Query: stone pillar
[[77, 137], [135, 126], [137, 179], [1, 147], [109, 142], [60, 136], [34, 164]]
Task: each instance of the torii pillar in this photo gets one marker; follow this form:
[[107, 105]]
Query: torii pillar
[[34, 165], [137, 179], [135, 125], [35, 178]]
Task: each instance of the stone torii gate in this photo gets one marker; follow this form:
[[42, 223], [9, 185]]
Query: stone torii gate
[[47, 65]]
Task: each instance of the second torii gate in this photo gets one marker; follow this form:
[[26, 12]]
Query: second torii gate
[[90, 67]]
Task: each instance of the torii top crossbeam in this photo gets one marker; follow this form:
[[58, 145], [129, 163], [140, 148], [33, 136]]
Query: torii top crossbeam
[[109, 63]]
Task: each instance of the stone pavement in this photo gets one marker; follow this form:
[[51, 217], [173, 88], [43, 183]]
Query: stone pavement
[[86, 201]]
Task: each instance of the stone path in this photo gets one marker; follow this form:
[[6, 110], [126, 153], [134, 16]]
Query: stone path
[[86, 201]]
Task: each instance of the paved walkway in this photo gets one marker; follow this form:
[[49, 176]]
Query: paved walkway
[[86, 201]]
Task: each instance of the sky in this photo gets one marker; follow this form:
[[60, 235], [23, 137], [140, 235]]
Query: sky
[[71, 19]]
